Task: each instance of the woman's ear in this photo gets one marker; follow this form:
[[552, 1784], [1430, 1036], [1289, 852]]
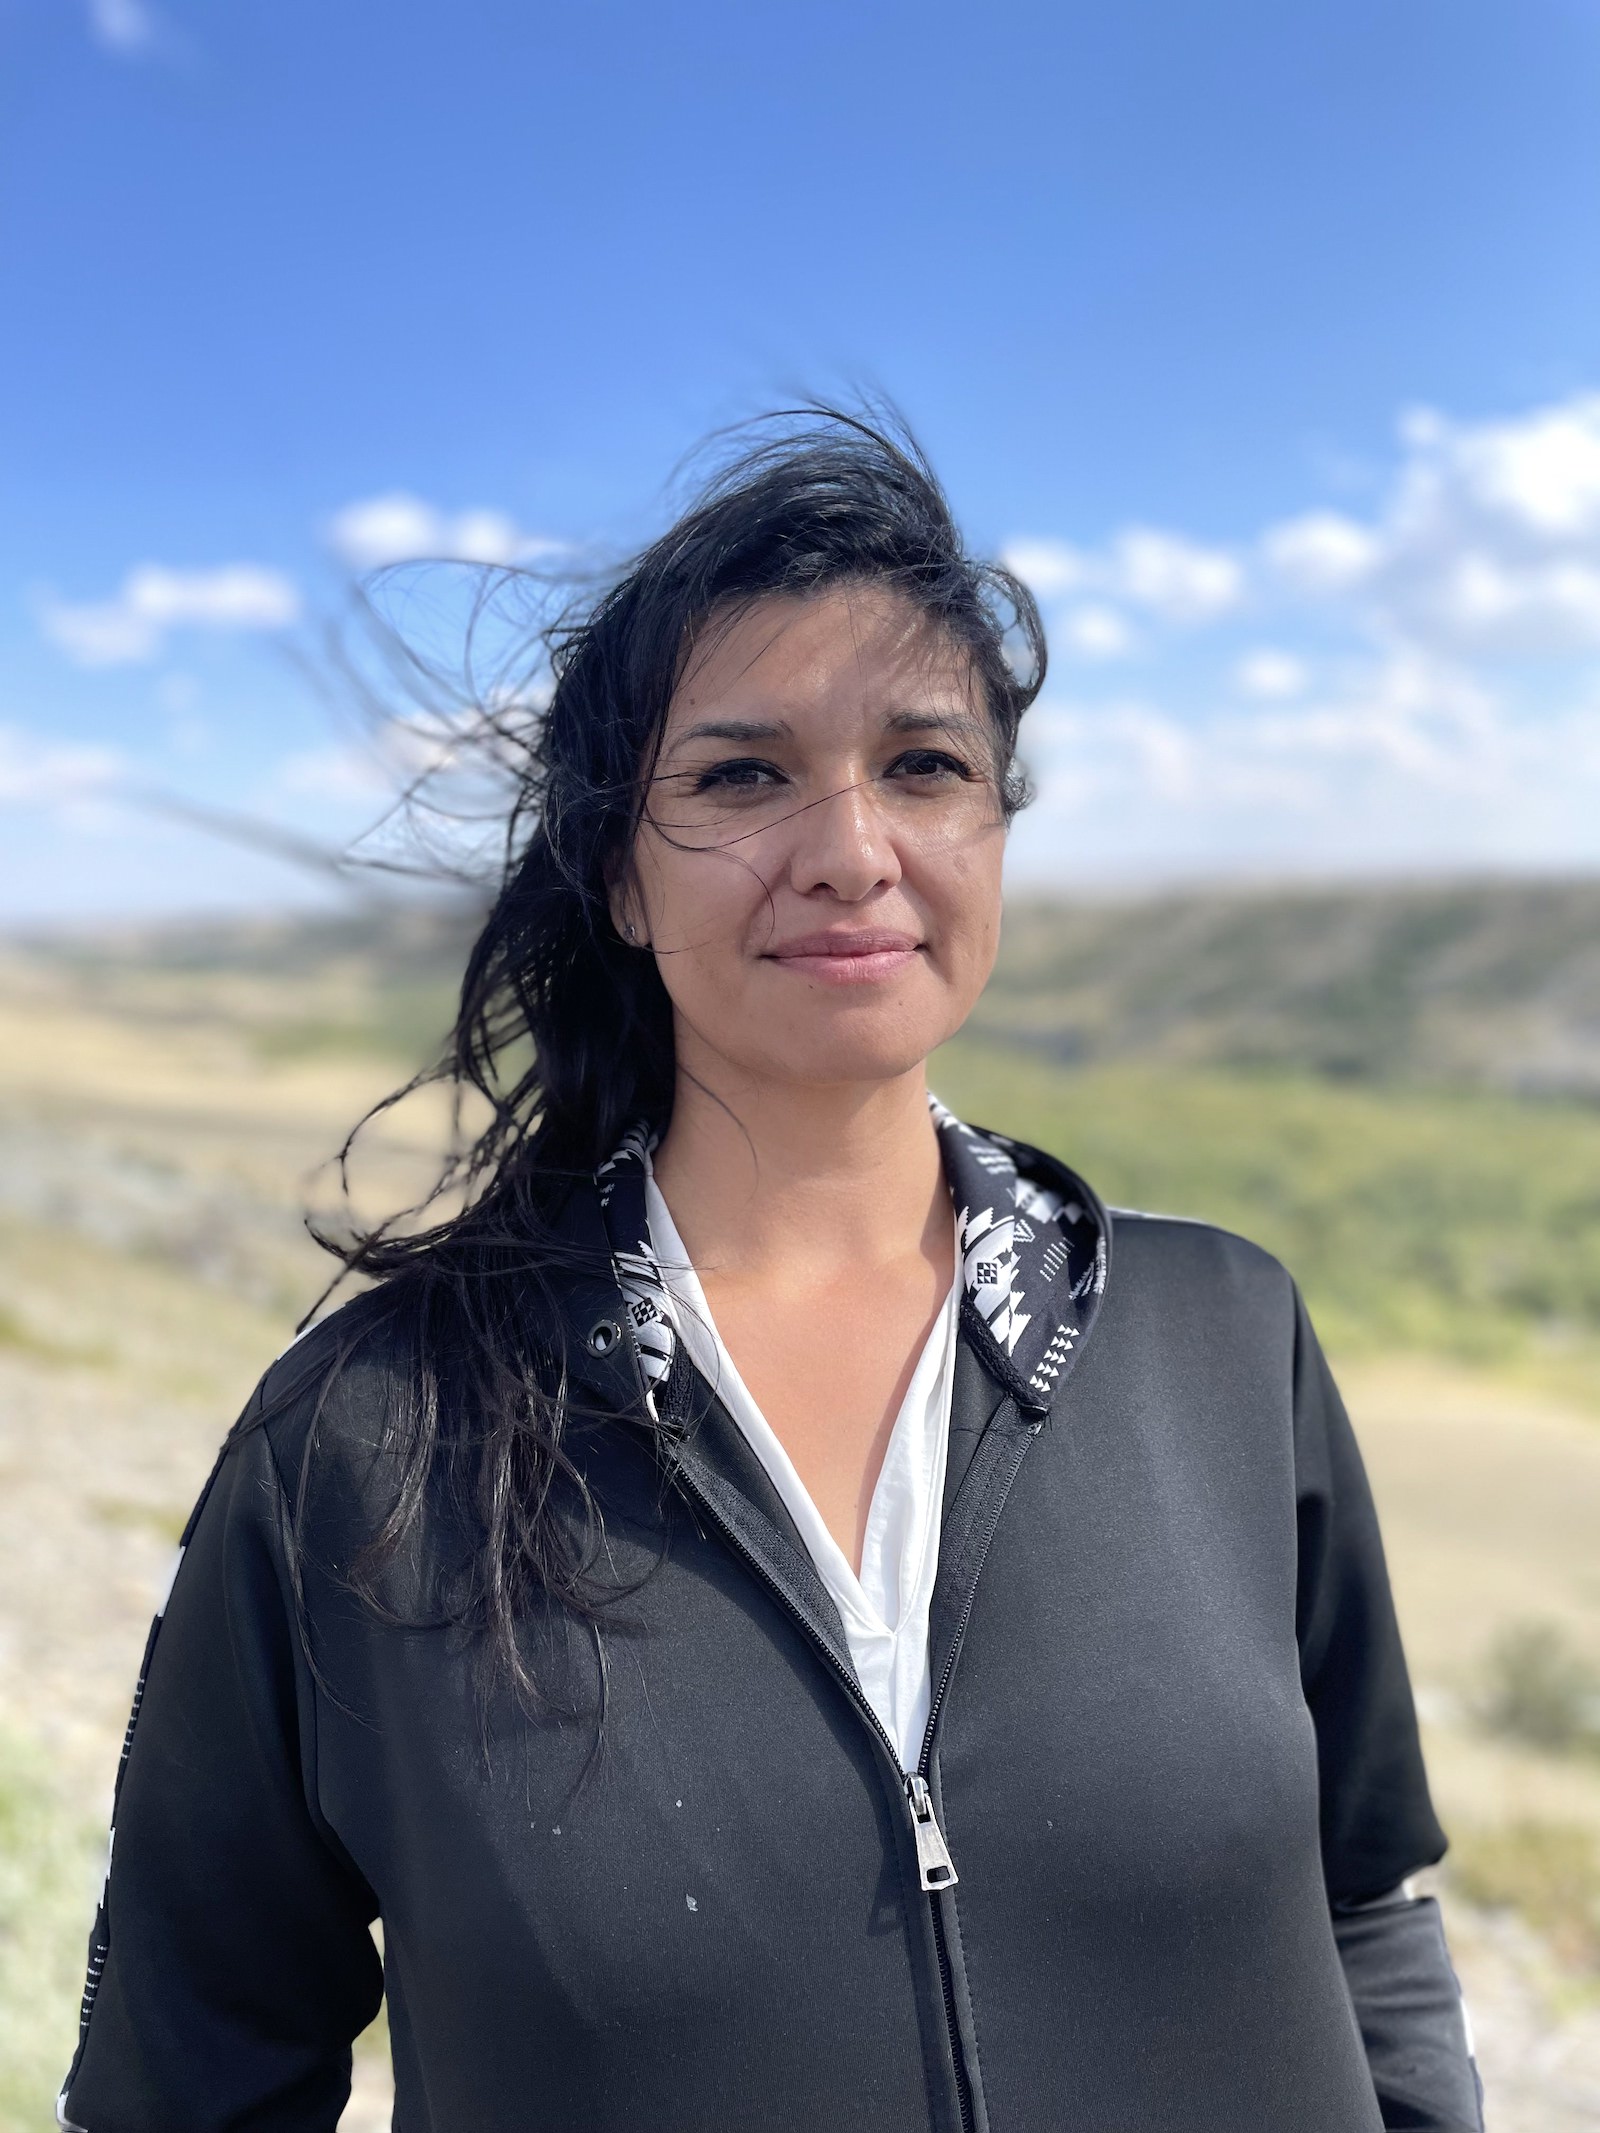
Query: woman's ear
[[622, 904]]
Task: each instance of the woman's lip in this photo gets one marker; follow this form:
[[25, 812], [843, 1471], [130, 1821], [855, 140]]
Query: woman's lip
[[810, 945], [846, 958]]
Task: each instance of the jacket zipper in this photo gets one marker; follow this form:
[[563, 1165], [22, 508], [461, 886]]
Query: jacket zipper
[[936, 1869], [948, 1987], [919, 1783], [934, 1864]]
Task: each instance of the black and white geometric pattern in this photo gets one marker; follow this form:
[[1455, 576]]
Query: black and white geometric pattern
[[651, 1318], [1033, 1260]]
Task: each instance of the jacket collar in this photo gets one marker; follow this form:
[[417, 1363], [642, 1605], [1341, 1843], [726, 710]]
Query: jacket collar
[[1034, 1254]]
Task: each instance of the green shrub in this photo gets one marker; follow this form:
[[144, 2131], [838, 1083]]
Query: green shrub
[[1538, 1688]]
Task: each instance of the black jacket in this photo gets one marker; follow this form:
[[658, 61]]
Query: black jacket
[[1172, 1740]]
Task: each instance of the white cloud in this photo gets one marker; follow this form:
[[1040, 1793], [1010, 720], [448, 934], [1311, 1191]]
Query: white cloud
[[1164, 753], [334, 773], [40, 773], [1538, 472], [1271, 675], [400, 528], [1167, 574], [1322, 551], [1175, 577], [1538, 607], [391, 757], [132, 627], [123, 25], [1051, 568], [1433, 722], [1419, 685], [1488, 540], [1121, 768], [1094, 632], [1492, 533], [1412, 762]]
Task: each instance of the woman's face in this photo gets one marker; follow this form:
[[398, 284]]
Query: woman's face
[[818, 870]]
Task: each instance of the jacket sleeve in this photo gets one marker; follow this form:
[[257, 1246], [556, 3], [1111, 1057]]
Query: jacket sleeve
[[1378, 1823], [1412, 2017], [231, 1962]]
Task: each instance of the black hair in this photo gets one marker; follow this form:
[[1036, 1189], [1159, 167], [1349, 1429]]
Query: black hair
[[564, 1031]]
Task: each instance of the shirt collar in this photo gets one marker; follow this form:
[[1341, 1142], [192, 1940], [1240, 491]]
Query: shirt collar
[[1033, 1240]]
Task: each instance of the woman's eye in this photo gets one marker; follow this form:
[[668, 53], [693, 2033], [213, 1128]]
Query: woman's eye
[[934, 763], [742, 774]]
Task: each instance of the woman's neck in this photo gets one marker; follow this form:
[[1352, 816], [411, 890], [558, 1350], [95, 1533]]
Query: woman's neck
[[787, 1183]]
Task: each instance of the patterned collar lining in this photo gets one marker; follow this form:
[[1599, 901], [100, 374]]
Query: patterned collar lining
[[1033, 1259]]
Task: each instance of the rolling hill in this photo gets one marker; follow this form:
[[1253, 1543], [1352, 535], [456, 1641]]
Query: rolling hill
[[1487, 983]]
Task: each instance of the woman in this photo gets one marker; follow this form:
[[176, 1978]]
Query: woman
[[790, 1612]]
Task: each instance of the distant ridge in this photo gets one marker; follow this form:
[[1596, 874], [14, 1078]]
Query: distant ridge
[[439, 930], [1492, 983], [1487, 983]]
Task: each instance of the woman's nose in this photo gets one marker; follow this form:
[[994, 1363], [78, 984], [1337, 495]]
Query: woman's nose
[[843, 842]]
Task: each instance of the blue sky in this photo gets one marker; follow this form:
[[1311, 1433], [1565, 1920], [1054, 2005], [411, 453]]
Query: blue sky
[[1265, 339]]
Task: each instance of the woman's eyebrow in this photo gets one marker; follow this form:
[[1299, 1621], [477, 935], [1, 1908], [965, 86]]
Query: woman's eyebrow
[[931, 722], [767, 729], [738, 729]]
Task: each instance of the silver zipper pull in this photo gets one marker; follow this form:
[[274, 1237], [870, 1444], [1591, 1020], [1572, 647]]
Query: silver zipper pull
[[934, 1863]]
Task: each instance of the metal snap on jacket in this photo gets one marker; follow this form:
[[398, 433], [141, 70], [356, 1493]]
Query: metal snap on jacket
[[604, 1336]]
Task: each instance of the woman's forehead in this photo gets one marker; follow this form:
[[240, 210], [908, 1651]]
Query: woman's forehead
[[861, 648]]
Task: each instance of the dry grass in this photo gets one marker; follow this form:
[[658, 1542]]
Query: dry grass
[[1549, 1872]]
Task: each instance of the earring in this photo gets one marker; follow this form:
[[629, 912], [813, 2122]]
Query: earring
[[629, 931]]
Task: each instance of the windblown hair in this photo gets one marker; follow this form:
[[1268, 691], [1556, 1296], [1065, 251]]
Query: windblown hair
[[564, 1031]]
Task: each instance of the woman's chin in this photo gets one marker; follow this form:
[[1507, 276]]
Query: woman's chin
[[841, 1057]]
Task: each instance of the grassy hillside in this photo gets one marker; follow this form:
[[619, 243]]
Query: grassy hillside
[[375, 981], [1495, 984]]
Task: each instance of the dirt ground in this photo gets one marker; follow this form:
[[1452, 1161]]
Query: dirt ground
[[151, 1264]]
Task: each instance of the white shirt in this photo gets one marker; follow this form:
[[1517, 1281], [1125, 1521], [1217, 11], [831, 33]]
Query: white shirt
[[885, 1609]]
